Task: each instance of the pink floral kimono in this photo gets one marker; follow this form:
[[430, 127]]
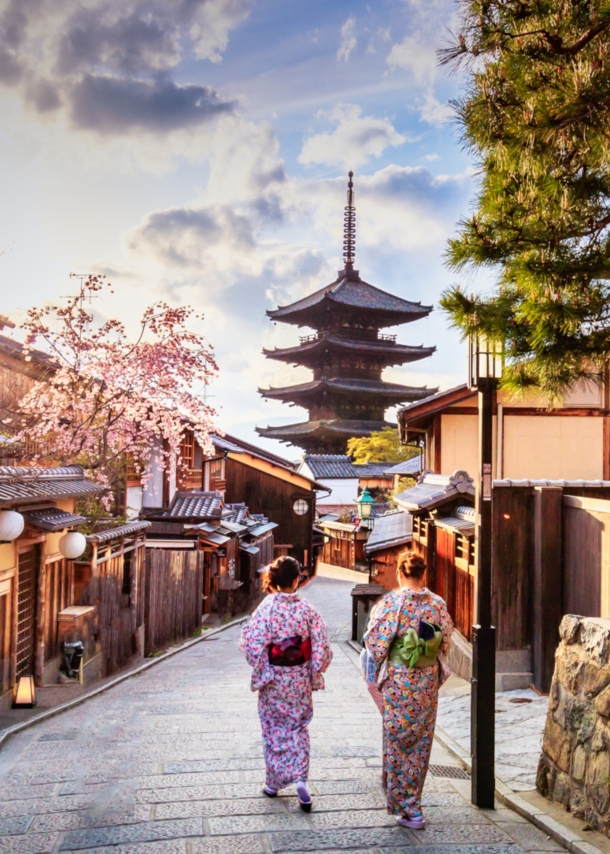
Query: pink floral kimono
[[410, 694], [285, 705]]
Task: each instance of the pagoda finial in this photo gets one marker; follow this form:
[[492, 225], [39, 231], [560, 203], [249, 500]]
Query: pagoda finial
[[349, 227]]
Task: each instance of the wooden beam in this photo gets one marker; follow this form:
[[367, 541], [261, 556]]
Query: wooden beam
[[548, 582], [437, 444], [41, 616]]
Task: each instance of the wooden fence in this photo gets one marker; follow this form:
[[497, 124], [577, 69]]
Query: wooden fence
[[173, 595]]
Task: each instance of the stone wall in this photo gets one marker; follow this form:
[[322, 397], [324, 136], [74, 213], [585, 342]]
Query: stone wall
[[574, 768]]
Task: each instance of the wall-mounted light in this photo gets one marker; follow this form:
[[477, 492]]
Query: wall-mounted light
[[72, 545], [25, 693], [11, 525]]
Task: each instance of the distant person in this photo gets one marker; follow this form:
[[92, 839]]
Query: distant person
[[408, 630], [286, 643]]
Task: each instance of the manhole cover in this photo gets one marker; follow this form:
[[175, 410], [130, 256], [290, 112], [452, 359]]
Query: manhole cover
[[69, 735], [449, 771]]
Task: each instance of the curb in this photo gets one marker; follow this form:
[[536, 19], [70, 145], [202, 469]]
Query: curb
[[556, 831], [49, 713]]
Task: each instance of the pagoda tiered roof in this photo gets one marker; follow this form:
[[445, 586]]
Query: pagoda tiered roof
[[385, 350], [323, 433], [349, 291], [381, 390]]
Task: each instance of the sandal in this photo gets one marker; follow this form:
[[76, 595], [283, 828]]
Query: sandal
[[267, 790], [415, 822], [304, 797]]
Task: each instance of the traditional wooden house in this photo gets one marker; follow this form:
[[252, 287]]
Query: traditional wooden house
[[343, 543], [347, 353], [531, 440], [36, 578], [391, 535]]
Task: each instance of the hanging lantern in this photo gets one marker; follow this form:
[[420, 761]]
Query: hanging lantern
[[11, 525], [72, 545]]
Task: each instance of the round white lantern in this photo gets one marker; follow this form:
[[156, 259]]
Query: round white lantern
[[72, 545], [11, 525]]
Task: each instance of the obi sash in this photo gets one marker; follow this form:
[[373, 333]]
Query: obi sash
[[417, 649], [290, 652]]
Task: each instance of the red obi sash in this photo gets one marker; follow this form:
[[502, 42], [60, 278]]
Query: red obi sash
[[290, 652]]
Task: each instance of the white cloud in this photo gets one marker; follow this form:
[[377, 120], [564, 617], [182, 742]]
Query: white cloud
[[435, 113], [348, 40], [354, 141], [415, 55]]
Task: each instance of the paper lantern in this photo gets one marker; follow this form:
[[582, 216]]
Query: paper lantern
[[11, 525], [72, 545]]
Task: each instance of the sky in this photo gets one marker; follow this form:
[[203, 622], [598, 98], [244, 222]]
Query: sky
[[197, 151]]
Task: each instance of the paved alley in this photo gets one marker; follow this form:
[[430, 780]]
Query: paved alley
[[170, 762]]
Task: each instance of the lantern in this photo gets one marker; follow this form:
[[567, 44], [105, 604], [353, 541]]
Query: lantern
[[485, 362], [24, 695], [72, 545], [365, 504], [11, 525]]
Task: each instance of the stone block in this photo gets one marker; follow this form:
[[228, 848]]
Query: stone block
[[579, 763], [596, 678], [570, 670], [562, 790], [568, 628], [595, 639], [602, 703], [598, 770], [556, 744]]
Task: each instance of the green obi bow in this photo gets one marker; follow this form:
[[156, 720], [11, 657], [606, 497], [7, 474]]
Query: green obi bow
[[413, 651]]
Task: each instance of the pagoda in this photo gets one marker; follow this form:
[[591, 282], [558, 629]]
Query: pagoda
[[347, 353]]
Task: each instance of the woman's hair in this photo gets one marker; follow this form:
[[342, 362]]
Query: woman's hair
[[281, 573], [411, 564]]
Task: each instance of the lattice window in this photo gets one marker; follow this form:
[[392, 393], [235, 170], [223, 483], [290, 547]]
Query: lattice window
[[26, 611], [187, 451], [133, 470]]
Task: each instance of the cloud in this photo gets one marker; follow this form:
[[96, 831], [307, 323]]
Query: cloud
[[109, 63], [415, 55], [435, 113], [110, 106], [354, 141], [348, 40]]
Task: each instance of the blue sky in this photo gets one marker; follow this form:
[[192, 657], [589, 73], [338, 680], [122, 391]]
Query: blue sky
[[197, 150]]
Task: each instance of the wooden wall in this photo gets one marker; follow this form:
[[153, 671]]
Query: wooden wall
[[173, 595], [274, 497]]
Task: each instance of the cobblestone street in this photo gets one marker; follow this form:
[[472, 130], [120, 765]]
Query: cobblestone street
[[170, 762]]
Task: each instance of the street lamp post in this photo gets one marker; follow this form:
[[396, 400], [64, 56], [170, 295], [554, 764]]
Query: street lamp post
[[365, 504], [485, 368]]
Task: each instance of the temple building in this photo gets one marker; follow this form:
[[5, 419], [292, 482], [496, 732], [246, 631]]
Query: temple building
[[347, 353]]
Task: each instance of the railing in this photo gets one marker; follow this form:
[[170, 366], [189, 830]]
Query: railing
[[306, 339], [391, 338], [192, 479]]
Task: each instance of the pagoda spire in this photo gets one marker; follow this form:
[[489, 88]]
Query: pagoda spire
[[349, 227]]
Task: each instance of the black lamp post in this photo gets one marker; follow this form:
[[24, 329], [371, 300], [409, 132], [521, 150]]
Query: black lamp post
[[484, 371]]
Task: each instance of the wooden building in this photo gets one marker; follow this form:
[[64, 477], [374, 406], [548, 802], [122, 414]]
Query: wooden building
[[343, 543], [392, 534], [347, 353], [531, 440], [36, 580]]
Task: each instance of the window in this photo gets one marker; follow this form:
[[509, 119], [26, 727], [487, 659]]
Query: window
[[300, 507]]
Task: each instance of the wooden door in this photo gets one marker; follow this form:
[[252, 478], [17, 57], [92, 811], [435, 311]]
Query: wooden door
[[586, 557], [26, 610], [6, 619], [444, 567]]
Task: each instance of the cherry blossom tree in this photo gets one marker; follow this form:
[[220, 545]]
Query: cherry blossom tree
[[112, 398]]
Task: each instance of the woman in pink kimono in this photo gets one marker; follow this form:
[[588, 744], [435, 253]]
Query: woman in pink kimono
[[408, 629], [286, 643]]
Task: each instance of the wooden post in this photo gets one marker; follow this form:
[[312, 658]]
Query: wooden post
[[41, 616], [548, 582]]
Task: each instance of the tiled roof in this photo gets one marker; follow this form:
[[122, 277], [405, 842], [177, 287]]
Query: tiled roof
[[196, 505], [232, 444], [393, 528], [349, 385], [432, 490], [350, 290], [336, 426], [16, 349], [330, 465], [370, 469], [462, 521], [52, 519], [412, 466], [118, 532], [238, 514], [22, 485], [391, 353]]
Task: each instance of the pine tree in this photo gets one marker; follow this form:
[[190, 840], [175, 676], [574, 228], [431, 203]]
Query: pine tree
[[536, 117]]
